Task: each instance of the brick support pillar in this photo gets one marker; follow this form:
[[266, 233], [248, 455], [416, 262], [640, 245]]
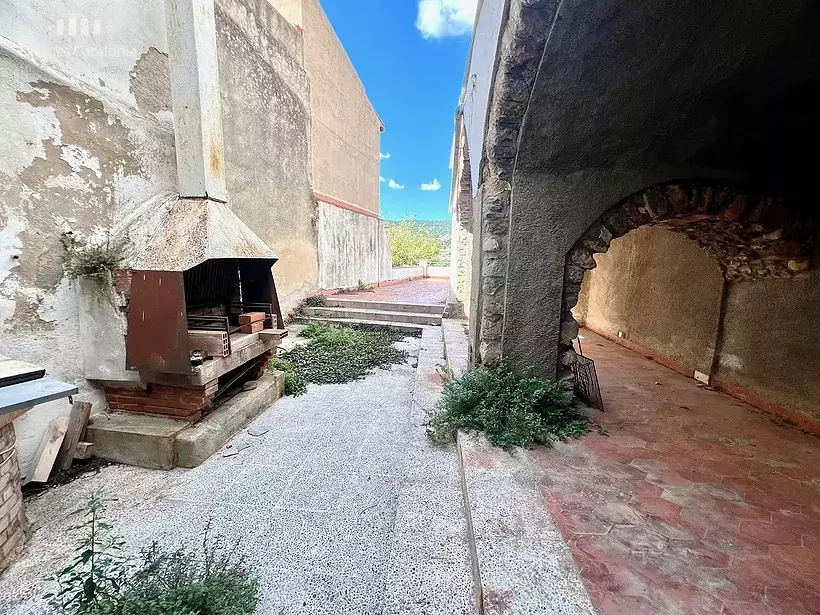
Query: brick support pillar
[[12, 513]]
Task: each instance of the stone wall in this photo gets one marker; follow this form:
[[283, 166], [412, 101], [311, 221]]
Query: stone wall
[[12, 514]]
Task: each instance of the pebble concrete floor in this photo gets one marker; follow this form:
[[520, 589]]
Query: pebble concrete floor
[[342, 506], [696, 503]]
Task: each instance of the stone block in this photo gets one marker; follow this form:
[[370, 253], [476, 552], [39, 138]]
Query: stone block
[[198, 442], [135, 439]]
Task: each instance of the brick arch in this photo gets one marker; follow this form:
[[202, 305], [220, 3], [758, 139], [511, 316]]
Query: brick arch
[[751, 236]]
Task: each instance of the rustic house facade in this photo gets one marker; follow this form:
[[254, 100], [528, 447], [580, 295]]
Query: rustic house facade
[[116, 120]]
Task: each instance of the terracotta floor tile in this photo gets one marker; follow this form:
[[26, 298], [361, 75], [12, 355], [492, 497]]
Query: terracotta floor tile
[[695, 502], [772, 533], [792, 601], [698, 553]]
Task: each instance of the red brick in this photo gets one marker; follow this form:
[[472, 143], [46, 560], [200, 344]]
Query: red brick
[[254, 327], [251, 317], [164, 410]]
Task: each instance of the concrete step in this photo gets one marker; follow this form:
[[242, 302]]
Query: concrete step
[[406, 327], [419, 318], [385, 306]]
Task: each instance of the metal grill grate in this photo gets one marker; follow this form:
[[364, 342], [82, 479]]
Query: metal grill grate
[[586, 381]]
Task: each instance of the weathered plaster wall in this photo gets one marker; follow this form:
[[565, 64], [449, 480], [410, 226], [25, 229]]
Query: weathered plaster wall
[[352, 248], [664, 293], [266, 123], [345, 127], [86, 136], [661, 291], [771, 342], [479, 79]]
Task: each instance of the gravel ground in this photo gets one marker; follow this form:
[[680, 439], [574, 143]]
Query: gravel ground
[[342, 506]]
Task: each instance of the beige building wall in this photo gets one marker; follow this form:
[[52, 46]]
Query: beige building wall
[[345, 129], [664, 294]]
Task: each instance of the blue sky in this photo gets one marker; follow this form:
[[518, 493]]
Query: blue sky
[[411, 56]]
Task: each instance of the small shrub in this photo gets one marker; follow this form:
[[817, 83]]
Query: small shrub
[[96, 261], [100, 580], [294, 385], [317, 301], [511, 408]]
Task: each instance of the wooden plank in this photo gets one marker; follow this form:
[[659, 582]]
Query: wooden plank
[[80, 413], [14, 372], [54, 439], [273, 334], [28, 394], [84, 450], [211, 343]]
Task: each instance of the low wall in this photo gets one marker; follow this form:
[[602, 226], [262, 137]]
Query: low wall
[[439, 272], [405, 273], [352, 248]]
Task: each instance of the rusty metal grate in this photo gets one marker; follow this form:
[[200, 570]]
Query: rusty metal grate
[[586, 381]]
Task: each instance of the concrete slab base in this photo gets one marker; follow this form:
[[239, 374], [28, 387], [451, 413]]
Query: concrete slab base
[[165, 443]]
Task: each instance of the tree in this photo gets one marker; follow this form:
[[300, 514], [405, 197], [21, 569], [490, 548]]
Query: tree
[[410, 243]]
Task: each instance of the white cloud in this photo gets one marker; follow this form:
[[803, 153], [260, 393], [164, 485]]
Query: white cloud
[[384, 156], [381, 179], [440, 18], [394, 185], [432, 186]]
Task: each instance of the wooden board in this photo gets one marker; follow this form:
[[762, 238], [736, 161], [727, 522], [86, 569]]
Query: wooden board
[[274, 334], [14, 372], [54, 440], [84, 450], [28, 394], [80, 413], [211, 343]]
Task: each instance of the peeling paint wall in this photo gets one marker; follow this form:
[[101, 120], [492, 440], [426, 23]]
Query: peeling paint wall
[[84, 137], [266, 125], [352, 248]]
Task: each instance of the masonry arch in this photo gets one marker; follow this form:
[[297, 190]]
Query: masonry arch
[[750, 235]]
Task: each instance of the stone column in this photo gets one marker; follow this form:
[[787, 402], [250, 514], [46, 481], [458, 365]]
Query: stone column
[[12, 513]]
